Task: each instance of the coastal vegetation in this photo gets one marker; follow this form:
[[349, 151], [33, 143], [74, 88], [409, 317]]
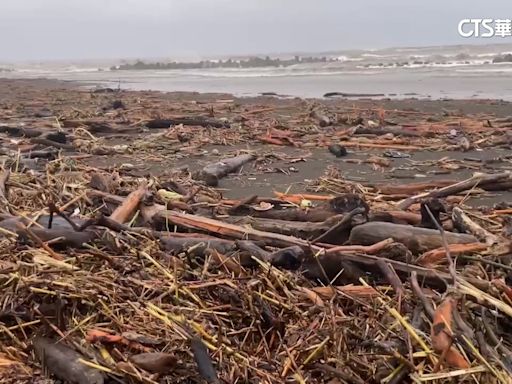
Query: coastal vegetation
[[252, 62]]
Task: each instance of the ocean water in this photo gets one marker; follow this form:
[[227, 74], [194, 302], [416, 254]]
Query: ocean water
[[423, 72]]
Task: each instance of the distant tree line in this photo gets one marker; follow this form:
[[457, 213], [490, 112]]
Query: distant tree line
[[252, 62]]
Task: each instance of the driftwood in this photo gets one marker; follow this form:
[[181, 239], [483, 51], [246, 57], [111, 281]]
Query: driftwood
[[64, 362], [97, 126], [327, 266], [51, 143], [20, 131], [498, 186], [212, 173], [462, 222], [438, 255], [199, 223], [416, 239], [345, 94], [252, 249], [4, 177], [407, 189], [315, 215], [368, 249], [473, 182], [358, 291], [61, 232], [288, 258], [303, 230], [198, 121], [397, 131], [337, 234], [49, 154], [196, 245], [397, 217], [64, 237], [126, 210], [64, 231], [338, 205]]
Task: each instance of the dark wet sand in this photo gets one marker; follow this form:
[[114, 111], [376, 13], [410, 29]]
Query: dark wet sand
[[294, 176]]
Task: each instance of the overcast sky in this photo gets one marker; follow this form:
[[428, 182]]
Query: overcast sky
[[82, 29]]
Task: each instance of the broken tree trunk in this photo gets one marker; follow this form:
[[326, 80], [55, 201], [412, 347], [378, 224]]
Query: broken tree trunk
[[212, 173], [463, 222], [303, 230], [472, 182], [416, 239]]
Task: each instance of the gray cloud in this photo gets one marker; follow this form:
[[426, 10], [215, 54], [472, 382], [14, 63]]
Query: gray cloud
[[81, 29]]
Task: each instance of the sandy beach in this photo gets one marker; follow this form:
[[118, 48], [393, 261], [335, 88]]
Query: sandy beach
[[286, 167], [181, 237]]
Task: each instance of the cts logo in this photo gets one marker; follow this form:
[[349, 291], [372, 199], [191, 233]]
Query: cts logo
[[485, 28]]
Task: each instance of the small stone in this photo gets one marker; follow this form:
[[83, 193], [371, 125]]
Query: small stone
[[337, 150]]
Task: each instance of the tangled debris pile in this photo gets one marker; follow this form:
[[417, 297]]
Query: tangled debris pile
[[118, 276]]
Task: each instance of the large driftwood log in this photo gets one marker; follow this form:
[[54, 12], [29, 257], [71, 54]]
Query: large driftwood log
[[198, 121], [329, 266], [472, 182], [212, 173], [416, 239], [303, 230], [61, 233]]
